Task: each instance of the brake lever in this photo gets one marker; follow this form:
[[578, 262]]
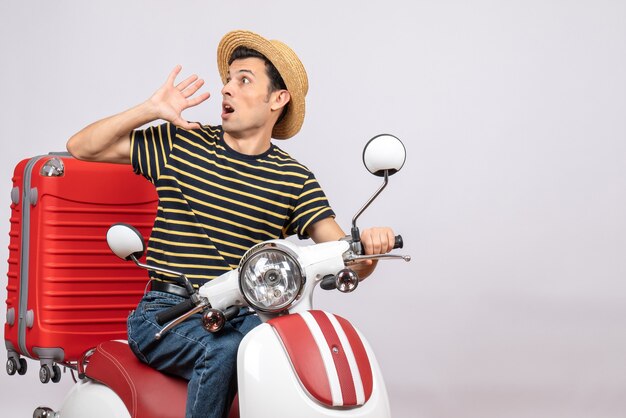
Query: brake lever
[[199, 308], [351, 258]]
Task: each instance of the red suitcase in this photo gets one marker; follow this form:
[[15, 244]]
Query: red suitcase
[[66, 291]]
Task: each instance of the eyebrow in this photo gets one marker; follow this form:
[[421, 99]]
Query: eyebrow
[[243, 70]]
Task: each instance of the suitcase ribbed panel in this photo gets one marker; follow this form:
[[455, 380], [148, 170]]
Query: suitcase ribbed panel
[[83, 285]]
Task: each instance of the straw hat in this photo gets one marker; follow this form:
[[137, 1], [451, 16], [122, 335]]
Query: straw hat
[[288, 65]]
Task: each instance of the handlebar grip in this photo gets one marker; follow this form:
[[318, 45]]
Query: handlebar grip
[[231, 312], [174, 312], [398, 242], [328, 282]]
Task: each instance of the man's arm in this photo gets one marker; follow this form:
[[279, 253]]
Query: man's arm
[[108, 140], [379, 240]]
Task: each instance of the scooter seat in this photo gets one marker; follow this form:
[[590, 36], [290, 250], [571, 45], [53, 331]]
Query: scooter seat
[[146, 392]]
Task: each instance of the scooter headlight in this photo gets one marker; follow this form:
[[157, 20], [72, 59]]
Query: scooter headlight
[[270, 277]]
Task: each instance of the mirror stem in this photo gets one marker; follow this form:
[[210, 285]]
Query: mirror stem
[[356, 234], [371, 199], [180, 278]]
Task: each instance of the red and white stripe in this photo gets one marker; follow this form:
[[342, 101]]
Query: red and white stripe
[[328, 357]]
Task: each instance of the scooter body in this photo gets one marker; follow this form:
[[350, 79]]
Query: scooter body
[[90, 397], [269, 385], [308, 361]]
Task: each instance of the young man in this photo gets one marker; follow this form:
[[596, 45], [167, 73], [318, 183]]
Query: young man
[[221, 190]]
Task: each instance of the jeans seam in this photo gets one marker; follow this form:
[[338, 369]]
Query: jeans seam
[[134, 346], [175, 331], [195, 397]]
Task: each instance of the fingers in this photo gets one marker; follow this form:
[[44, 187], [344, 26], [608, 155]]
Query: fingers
[[192, 81], [172, 99], [198, 99], [192, 89], [174, 74], [189, 86], [378, 240], [182, 123]]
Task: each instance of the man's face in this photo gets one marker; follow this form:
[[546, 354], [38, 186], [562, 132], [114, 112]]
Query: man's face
[[246, 105]]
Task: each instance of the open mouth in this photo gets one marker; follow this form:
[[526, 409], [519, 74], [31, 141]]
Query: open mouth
[[227, 109]]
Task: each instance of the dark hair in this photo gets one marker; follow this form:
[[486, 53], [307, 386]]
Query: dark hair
[[276, 81]]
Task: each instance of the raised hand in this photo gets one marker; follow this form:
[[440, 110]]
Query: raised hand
[[170, 100]]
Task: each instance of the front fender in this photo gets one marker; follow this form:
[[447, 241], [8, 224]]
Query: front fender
[[311, 364]]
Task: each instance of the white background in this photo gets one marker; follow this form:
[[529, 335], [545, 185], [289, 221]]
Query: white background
[[512, 201]]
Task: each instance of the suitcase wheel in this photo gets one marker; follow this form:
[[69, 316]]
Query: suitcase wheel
[[13, 366], [45, 374], [56, 374]]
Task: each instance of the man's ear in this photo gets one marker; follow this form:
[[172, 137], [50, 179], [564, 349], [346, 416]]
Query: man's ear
[[281, 98]]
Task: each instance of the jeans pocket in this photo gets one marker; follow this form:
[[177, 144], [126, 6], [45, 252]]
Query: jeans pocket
[[153, 307], [134, 347]]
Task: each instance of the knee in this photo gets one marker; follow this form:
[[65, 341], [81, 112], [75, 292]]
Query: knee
[[225, 350], [229, 342], [221, 357]]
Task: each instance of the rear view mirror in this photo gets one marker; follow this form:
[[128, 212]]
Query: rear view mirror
[[383, 156], [125, 241], [384, 153]]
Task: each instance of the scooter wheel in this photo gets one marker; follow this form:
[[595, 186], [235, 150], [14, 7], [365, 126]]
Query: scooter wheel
[[11, 366], [23, 367], [44, 374], [56, 374]]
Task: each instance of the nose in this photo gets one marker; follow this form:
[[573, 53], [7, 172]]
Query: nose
[[226, 89]]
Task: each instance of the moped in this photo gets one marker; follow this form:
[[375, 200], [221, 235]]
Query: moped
[[299, 362]]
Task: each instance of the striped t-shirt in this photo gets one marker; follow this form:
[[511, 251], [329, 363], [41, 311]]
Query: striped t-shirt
[[215, 203]]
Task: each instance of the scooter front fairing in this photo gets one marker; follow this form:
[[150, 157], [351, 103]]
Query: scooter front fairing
[[309, 365]]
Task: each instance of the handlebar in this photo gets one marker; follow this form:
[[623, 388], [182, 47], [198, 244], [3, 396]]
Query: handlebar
[[173, 312], [398, 242], [178, 310], [329, 282]]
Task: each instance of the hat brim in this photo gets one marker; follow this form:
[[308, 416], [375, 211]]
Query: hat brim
[[288, 65]]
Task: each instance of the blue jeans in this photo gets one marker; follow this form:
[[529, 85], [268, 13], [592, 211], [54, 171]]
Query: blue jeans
[[208, 361]]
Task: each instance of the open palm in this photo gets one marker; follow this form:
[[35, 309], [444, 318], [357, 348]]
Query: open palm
[[170, 100]]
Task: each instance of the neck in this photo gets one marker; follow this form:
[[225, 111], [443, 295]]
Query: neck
[[250, 144]]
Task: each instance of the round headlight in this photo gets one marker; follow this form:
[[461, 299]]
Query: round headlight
[[270, 277]]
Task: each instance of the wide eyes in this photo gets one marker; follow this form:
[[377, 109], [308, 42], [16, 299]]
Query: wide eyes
[[242, 80]]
